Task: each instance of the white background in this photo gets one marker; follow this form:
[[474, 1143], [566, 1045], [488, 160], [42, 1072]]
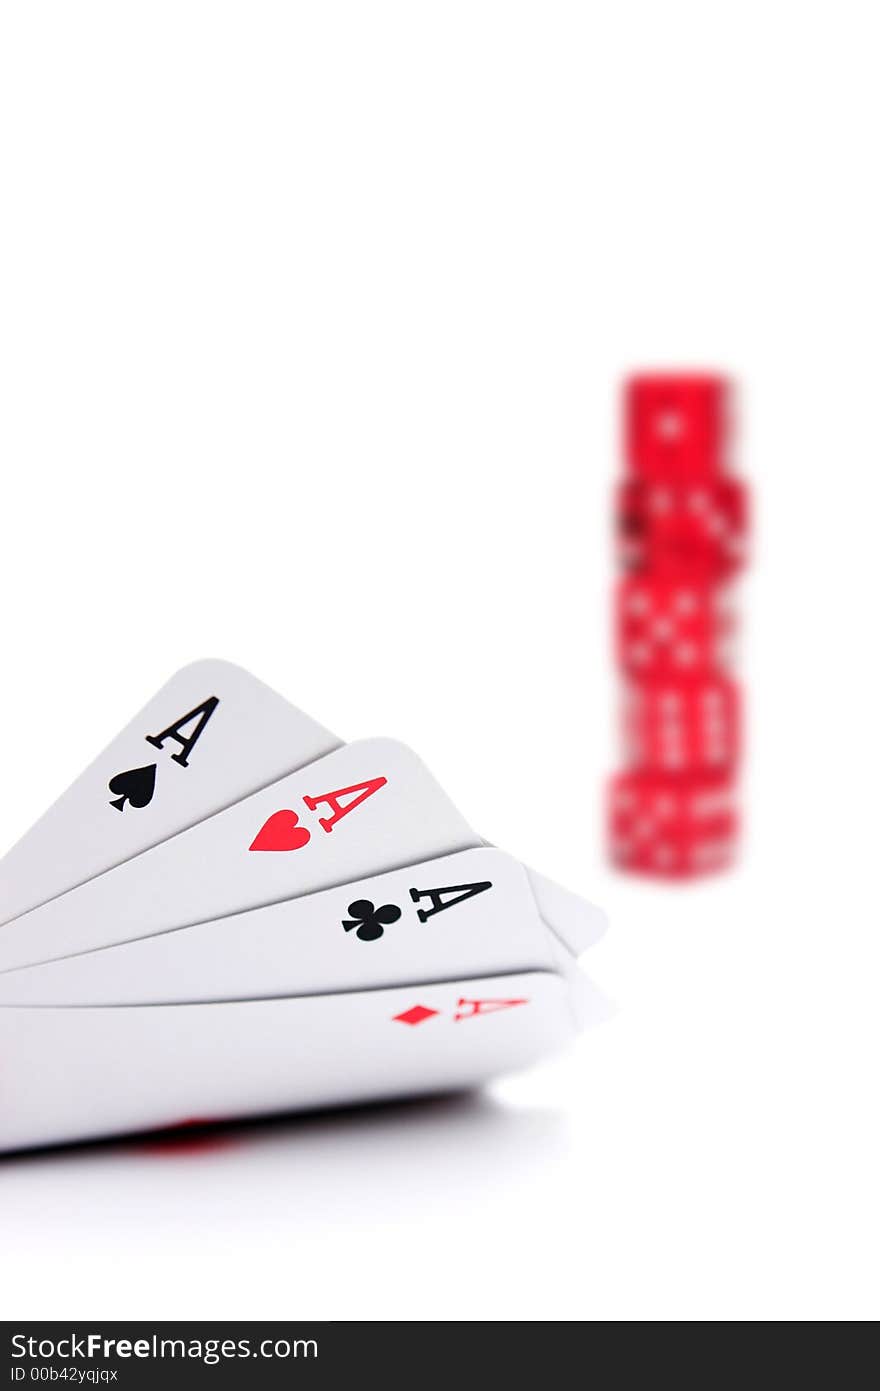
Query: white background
[[312, 318]]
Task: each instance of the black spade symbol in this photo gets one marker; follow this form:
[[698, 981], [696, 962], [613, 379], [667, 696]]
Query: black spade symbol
[[136, 786]]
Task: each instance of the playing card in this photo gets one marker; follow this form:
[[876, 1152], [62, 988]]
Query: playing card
[[211, 736], [72, 1074], [368, 807], [577, 923], [467, 914]]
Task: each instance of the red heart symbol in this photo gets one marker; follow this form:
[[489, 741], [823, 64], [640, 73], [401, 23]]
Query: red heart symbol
[[282, 832]]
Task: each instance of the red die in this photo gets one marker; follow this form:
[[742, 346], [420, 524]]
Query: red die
[[682, 727], [675, 827], [672, 628], [682, 528], [676, 426]]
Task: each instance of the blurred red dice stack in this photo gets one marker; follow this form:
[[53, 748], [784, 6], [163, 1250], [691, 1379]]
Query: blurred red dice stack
[[681, 529]]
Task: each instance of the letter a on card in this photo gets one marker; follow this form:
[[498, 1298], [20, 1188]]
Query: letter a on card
[[474, 1007], [458, 894], [187, 742], [360, 790]]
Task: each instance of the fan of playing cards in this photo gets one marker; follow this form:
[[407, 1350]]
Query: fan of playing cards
[[232, 913]]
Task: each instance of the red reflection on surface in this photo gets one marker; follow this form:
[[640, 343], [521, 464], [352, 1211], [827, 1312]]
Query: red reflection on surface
[[195, 1136]]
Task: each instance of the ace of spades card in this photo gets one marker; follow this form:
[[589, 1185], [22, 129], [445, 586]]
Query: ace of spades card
[[211, 735]]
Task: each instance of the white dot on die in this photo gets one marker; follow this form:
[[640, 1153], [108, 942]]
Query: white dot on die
[[669, 425], [686, 601], [638, 602]]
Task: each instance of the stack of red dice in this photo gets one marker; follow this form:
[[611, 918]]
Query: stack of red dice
[[681, 528]]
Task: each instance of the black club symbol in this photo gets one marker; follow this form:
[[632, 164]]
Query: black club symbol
[[369, 920]]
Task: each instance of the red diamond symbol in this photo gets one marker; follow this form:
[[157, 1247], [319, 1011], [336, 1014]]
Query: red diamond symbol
[[417, 1015]]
